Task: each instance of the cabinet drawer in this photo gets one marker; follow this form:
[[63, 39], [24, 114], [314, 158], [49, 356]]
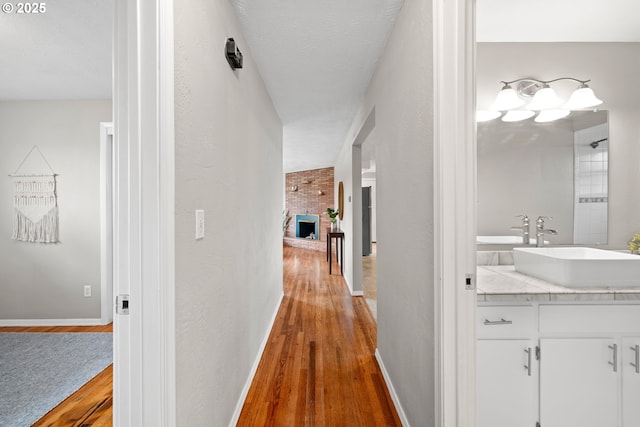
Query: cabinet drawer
[[591, 319], [506, 321]]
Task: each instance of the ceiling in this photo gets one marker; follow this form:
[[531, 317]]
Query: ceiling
[[316, 58]]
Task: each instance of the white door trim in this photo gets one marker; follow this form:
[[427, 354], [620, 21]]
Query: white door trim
[[144, 340], [106, 223], [455, 218]]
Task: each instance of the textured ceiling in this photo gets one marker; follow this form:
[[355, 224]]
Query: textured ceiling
[[64, 53], [316, 58]]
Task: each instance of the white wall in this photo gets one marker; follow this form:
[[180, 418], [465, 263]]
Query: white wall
[[402, 92], [613, 69], [229, 163], [45, 281]]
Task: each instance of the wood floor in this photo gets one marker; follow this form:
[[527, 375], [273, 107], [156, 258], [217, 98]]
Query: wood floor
[[91, 405], [319, 368]]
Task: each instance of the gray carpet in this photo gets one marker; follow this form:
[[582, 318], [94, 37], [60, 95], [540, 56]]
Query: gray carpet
[[40, 370]]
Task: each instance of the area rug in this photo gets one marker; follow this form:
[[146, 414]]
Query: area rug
[[40, 370]]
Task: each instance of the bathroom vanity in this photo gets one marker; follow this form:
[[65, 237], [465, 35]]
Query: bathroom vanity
[[555, 356]]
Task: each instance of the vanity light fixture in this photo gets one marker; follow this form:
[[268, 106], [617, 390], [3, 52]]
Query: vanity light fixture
[[486, 115], [543, 98], [517, 115]]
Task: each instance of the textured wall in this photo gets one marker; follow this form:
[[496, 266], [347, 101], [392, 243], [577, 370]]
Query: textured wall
[[307, 201], [45, 281], [402, 93], [229, 163]]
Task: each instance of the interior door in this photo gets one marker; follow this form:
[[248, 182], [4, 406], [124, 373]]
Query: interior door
[[366, 221]]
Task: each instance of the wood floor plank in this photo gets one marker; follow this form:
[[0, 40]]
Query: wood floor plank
[[324, 342]]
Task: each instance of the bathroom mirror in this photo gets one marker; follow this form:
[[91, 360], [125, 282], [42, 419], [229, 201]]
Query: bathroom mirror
[[557, 169]]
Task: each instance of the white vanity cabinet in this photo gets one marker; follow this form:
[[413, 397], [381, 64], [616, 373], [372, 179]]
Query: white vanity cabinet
[[507, 373], [630, 352], [578, 385], [587, 373], [585, 353]]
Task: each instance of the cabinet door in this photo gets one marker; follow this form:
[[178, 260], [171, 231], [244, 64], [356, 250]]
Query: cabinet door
[[507, 383], [578, 383], [630, 352]]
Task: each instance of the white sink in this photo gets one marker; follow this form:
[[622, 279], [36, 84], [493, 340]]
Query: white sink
[[579, 267], [503, 240]]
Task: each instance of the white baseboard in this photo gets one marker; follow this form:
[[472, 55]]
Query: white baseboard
[[51, 322], [357, 293], [254, 368], [392, 391]]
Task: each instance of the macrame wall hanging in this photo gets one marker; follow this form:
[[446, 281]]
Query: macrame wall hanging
[[35, 203]]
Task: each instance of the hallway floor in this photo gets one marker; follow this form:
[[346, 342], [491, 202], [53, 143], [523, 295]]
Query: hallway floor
[[319, 368]]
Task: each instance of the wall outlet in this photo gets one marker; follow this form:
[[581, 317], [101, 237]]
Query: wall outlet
[[199, 224], [87, 290]]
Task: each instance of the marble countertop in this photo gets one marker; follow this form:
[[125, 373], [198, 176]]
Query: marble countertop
[[502, 283]]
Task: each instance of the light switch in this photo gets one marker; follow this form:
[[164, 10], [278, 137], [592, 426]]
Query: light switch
[[199, 224]]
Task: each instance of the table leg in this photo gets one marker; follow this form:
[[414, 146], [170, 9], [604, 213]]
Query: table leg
[[341, 256], [330, 260]]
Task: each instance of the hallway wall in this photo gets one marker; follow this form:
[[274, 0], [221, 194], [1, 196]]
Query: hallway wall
[[229, 163], [401, 91], [44, 282]]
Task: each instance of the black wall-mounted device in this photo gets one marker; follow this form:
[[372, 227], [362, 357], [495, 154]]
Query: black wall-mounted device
[[233, 54]]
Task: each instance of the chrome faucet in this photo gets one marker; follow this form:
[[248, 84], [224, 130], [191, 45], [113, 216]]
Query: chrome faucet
[[541, 231], [524, 228]]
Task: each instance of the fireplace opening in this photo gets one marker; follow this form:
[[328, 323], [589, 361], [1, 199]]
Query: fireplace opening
[[307, 226]]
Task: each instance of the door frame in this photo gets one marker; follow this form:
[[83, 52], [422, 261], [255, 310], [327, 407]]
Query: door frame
[[455, 211], [106, 223], [144, 389]]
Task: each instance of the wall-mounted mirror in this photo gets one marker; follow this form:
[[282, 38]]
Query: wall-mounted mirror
[[557, 169]]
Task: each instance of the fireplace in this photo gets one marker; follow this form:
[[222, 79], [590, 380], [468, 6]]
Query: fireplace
[[307, 227]]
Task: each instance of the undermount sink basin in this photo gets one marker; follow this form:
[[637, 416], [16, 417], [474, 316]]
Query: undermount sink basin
[[579, 267]]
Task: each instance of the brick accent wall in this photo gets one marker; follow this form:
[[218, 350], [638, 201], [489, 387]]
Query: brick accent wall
[[314, 195]]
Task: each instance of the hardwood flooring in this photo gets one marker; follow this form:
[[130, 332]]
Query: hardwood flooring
[[319, 368], [91, 405]]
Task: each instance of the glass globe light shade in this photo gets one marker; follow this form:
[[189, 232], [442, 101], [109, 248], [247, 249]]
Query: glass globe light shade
[[486, 115], [507, 99], [544, 99], [551, 115], [517, 115], [583, 97]]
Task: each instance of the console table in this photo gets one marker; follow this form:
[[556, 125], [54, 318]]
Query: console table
[[339, 236]]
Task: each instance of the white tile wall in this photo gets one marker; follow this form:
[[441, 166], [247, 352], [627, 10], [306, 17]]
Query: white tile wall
[[591, 184]]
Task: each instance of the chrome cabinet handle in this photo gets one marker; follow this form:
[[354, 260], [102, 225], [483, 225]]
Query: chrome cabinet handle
[[528, 365], [497, 322], [636, 365], [614, 347]]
